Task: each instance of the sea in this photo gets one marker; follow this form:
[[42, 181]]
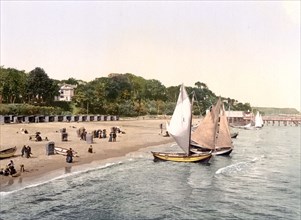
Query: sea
[[259, 180]]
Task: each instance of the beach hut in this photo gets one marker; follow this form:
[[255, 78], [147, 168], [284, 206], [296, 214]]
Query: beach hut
[[74, 118], [60, 118], [67, 118], [89, 138], [84, 118], [51, 118], [103, 117], [46, 118], [29, 119], [5, 119], [18, 119], [50, 148], [91, 118], [64, 136], [39, 118]]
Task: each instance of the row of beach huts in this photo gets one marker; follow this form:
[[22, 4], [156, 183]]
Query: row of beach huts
[[7, 119]]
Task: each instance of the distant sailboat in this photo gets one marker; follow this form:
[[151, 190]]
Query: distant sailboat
[[213, 133], [180, 129], [258, 120]]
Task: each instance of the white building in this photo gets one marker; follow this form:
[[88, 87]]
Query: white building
[[66, 92]]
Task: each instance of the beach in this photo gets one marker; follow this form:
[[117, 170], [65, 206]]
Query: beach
[[135, 134]]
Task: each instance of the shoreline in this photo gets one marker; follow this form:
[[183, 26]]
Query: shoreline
[[138, 134]]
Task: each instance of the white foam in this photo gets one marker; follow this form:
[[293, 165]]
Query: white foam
[[237, 167], [55, 175]]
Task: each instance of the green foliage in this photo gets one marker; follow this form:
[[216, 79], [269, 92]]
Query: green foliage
[[26, 109], [117, 94], [40, 88]]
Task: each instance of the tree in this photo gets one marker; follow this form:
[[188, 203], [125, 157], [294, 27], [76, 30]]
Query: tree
[[12, 86], [40, 87]]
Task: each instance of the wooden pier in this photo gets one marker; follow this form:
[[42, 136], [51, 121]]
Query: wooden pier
[[286, 120]]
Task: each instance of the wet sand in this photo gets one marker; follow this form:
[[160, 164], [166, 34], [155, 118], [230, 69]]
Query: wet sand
[[139, 133]]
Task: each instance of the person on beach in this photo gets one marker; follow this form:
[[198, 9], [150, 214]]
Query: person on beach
[[111, 137], [166, 134], [114, 135], [11, 163], [69, 157], [104, 133], [28, 152], [23, 150], [90, 150], [161, 128], [11, 168]]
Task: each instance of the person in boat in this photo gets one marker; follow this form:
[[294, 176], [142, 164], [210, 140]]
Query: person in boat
[[90, 150], [69, 157]]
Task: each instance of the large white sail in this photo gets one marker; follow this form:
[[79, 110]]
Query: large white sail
[[180, 123]]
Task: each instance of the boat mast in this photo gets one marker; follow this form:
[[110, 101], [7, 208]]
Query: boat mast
[[217, 121], [189, 142]]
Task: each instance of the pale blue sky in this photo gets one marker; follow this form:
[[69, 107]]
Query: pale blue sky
[[246, 50]]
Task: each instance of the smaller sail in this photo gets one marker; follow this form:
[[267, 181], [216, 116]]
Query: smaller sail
[[223, 134], [261, 121], [258, 120], [205, 134]]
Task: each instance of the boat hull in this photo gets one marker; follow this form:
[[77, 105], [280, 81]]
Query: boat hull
[[222, 152], [63, 151], [234, 135], [10, 152], [179, 157], [216, 152]]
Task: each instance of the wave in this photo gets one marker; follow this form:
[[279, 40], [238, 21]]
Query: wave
[[237, 167], [55, 176]]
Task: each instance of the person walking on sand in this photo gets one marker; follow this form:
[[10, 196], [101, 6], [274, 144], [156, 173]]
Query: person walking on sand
[[161, 128]]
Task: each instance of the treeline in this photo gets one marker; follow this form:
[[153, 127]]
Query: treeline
[[118, 94]]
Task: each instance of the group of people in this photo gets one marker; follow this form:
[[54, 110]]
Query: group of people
[[82, 133], [26, 151], [9, 170], [100, 133], [37, 137]]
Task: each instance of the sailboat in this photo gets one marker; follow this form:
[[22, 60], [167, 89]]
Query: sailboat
[[258, 120], [213, 133], [180, 130]]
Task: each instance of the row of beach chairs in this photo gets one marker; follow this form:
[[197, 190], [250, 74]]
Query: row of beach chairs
[[5, 119]]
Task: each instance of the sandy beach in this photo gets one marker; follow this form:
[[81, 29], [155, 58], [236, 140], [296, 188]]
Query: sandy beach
[[139, 133]]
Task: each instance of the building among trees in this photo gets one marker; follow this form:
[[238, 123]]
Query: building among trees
[[66, 92]]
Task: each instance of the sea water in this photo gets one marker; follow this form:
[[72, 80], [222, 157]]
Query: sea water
[[259, 180]]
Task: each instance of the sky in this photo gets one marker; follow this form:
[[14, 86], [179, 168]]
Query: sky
[[245, 50]]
